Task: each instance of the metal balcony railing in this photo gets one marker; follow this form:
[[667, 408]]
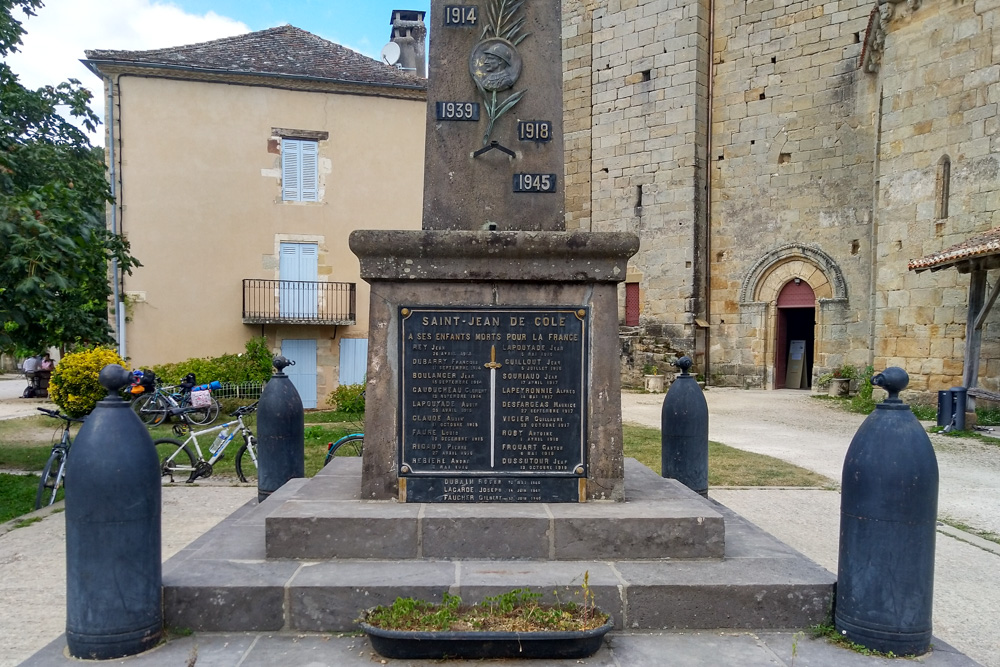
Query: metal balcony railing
[[298, 302]]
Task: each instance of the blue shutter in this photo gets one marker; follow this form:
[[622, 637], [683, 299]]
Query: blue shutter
[[353, 360], [303, 373], [291, 158], [298, 272], [310, 171]]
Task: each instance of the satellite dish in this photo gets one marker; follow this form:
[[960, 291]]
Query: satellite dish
[[390, 53]]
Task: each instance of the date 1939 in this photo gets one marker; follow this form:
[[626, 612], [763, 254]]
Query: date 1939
[[457, 111], [534, 182]]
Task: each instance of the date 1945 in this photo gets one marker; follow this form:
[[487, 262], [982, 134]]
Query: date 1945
[[534, 182]]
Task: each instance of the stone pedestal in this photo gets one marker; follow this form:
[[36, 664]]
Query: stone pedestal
[[451, 269]]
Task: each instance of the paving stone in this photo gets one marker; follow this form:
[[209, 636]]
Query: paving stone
[[225, 595]]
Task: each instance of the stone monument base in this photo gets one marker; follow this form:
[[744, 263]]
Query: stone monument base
[[234, 578], [502, 271]]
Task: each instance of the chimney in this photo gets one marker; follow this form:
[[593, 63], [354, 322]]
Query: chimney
[[409, 31]]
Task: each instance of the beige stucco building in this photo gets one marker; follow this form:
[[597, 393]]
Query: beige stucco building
[[240, 167]]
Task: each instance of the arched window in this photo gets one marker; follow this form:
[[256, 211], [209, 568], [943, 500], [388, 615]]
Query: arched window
[[943, 189]]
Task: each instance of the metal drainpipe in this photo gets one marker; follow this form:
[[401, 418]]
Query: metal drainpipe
[[708, 187], [109, 115]]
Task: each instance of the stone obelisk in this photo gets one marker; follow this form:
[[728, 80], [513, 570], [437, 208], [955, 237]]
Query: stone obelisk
[[493, 371]]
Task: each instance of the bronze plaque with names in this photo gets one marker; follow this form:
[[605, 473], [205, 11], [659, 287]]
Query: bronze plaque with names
[[493, 404]]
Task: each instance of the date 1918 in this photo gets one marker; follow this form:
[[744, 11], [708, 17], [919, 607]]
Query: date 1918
[[460, 16], [534, 182], [534, 130], [457, 110]]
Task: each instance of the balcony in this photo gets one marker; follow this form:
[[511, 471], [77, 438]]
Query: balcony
[[298, 302]]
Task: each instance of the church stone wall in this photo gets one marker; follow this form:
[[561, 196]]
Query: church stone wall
[[650, 90], [941, 85], [820, 166], [792, 147]]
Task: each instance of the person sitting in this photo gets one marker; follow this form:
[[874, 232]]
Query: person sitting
[[30, 366], [42, 376]]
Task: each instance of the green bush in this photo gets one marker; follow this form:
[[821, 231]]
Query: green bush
[[74, 386], [252, 365], [348, 398], [862, 401]]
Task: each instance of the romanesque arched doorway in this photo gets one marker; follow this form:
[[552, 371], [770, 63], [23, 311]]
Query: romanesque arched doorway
[[794, 292]]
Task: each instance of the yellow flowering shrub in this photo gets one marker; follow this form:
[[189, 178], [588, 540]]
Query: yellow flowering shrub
[[74, 386]]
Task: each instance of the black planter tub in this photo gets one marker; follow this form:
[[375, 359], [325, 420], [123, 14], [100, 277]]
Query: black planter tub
[[403, 644]]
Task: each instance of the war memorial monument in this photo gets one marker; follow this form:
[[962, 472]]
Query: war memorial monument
[[493, 454]]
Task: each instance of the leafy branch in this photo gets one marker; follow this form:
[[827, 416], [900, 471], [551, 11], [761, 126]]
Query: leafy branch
[[495, 108], [501, 22]]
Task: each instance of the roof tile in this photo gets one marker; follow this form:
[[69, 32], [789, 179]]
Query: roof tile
[[987, 243], [284, 50]]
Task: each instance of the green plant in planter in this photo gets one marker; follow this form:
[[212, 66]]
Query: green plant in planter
[[650, 369], [518, 610]]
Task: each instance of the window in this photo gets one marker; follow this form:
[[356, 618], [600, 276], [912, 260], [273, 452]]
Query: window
[[631, 304], [943, 186], [299, 170]]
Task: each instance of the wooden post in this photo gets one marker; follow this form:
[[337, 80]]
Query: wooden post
[[973, 334]]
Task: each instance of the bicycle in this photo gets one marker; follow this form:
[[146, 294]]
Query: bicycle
[[349, 445], [154, 408], [54, 473], [180, 457]]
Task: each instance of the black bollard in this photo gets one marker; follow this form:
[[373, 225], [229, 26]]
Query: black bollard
[[114, 571], [684, 431], [888, 516], [280, 433]]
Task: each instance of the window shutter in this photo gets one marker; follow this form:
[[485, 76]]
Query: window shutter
[[291, 157], [310, 171], [631, 304]]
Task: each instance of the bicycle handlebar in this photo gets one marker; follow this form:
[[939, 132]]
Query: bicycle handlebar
[[56, 414], [244, 410]]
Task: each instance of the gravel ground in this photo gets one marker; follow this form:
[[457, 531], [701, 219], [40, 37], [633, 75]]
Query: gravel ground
[[793, 426], [33, 562]]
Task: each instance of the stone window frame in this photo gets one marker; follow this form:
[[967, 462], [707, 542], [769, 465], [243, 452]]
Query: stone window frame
[[942, 190], [300, 153]]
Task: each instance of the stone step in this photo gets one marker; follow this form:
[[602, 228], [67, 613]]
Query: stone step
[[660, 519], [224, 581]]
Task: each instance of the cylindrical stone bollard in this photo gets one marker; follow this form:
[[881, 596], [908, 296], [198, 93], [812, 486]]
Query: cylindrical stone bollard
[[114, 569], [280, 433], [684, 431], [888, 516]]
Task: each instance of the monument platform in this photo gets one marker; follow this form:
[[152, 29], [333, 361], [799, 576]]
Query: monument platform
[[226, 581]]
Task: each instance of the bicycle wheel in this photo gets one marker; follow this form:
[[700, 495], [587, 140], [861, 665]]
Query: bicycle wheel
[[246, 461], [206, 415], [142, 406], [349, 445], [175, 458], [52, 474]]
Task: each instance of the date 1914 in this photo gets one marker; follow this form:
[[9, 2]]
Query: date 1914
[[457, 111], [457, 16], [534, 182]]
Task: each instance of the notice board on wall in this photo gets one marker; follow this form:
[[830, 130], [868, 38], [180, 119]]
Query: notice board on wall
[[796, 368]]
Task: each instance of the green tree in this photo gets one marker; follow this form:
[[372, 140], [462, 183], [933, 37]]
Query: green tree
[[54, 244]]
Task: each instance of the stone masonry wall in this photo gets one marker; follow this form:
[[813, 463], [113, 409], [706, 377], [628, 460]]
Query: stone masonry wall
[[940, 82], [578, 23], [650, 80], [792, 149]]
